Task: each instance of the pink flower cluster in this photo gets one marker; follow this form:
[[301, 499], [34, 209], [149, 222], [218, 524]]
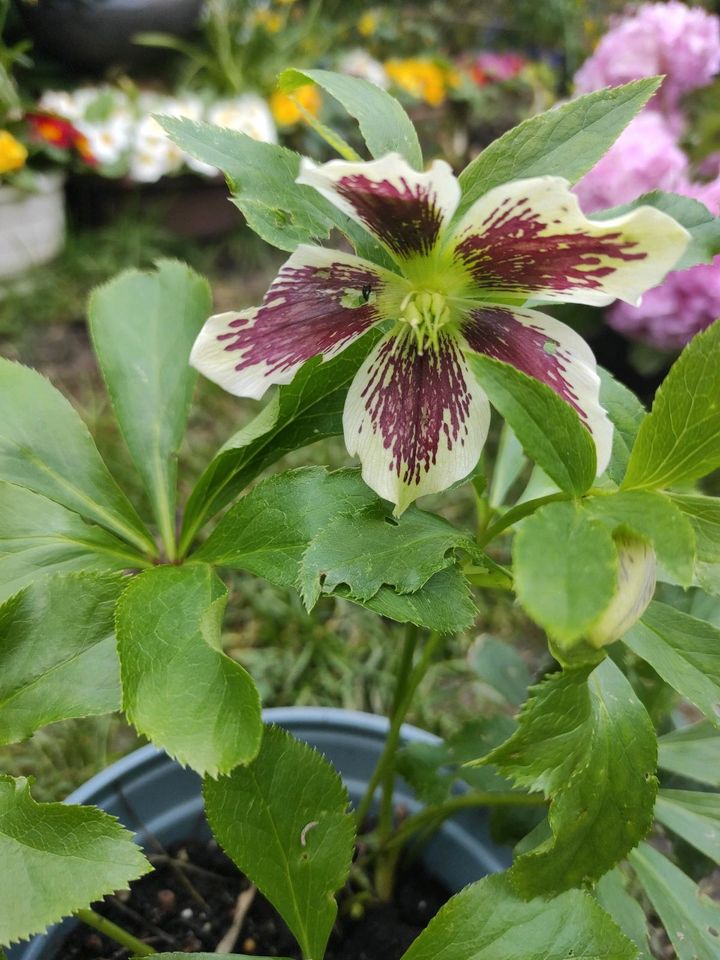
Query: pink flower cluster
[[684, 43], [673, 39]]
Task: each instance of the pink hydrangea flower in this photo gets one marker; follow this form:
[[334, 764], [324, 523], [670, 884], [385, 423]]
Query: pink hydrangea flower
[[415, 414], [670, 38], [644, 157], [687, 302]]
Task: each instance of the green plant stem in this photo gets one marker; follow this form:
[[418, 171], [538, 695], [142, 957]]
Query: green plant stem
[[518, 513], [436, 813], [403, 676], [112, 930]]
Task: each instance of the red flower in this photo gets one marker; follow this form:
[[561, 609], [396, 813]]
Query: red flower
[[60, 133]]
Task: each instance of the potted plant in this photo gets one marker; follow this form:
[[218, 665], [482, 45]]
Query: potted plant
[[398, 348]]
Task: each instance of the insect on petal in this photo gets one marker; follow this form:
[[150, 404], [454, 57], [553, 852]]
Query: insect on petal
[[319, 303]]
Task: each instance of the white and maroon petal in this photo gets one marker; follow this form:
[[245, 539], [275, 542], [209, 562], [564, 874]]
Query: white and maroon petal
[[418, 422], [549, 351], [405, 209], [531, 238], [319, 303]]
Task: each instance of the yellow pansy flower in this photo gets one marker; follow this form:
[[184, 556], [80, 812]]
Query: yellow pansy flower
[[286, 111], [12, 153], [423, 79]]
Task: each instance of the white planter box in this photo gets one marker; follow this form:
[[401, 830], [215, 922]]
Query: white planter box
[[32, 225]]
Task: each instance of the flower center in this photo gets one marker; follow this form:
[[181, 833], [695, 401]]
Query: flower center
[[426, 314]]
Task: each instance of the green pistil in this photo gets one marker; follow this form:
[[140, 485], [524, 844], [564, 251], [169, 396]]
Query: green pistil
[[426, 314]]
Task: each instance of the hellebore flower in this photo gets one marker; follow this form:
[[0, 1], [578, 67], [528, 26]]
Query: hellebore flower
[[415, 414]]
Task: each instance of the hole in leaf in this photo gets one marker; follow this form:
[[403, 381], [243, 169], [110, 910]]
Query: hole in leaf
[[713, 932]]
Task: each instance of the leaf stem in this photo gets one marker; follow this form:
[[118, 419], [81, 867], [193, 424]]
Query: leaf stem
[[436, 813], [116, 933], [519, 512]]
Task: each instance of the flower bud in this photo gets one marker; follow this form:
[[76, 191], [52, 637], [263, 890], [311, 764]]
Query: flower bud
[[635, 588]]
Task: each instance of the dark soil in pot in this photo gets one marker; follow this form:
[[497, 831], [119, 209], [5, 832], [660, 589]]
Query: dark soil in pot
[[188, 903]]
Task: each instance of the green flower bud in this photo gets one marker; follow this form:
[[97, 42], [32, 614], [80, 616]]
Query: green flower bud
[[635, 588]]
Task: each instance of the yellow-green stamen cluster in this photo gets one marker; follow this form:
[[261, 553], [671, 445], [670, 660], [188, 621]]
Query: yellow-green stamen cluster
[[426, 314]]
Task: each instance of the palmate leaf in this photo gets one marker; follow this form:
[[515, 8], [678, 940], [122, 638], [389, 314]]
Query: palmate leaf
[[548, 429], [691, 918], [626, 413], [385, 126], [692, 752], [268, 530], [614, 897], [56, 859], [179, 688], [284, 820], [306, 410], [654, 517], [684, 651], [565, 567], [368, 549], [39, 537], [57, 652], [679, 440], [143, 326], [563, 142], [704, 515], [46, 448], [489, 921], [262, 181], [585, 741], [694, 816]]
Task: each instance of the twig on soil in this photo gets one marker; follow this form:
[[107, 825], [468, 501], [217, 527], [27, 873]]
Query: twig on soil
[[242, 905]]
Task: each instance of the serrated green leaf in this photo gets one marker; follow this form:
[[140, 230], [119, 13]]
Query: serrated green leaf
[[587, 742], [498, 664], [143, 326], [444, 603], [563, 142], [179, 688], [679, 440], [549, 430], [45, 447], [284, 820], [625, 910], [57, 652], [691, 919], [694, 816], [269, 529], [58, 858], [692, 752], [704, 515], [565, 568], [306, 410], [39, 537], [489, 921], [626, 413], [703, 227], [385, 126], [369, 549], [655, 518], [262, 180], [685, 652]]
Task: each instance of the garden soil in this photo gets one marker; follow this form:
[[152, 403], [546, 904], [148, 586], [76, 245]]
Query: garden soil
[[188, 902]]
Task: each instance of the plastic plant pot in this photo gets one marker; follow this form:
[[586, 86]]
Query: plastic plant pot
[[161, 801]]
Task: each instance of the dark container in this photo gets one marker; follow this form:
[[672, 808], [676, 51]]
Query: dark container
[[158, 799]]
